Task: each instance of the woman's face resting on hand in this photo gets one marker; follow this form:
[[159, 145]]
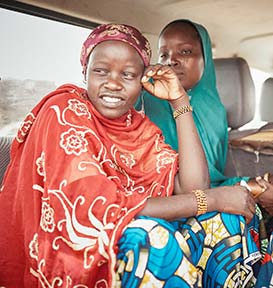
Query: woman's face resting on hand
[[113, 78], [180, 47]]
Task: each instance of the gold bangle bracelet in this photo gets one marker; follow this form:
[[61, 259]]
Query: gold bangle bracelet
[[182, 110], [255, 189], [202, 203]]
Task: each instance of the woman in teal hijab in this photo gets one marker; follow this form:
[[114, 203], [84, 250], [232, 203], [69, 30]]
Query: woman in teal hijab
[[208, 111], [186, 47]]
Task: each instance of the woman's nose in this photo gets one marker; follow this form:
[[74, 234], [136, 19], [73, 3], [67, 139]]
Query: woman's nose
[[113, 83], [172, 61]]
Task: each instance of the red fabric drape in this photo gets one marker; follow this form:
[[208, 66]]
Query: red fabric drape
[[75, 181]]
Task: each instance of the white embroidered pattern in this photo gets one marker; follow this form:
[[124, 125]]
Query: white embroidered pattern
[[79, 108], [33, 247], [40, 162], [82, 237], [25, 127], [47, 218], [66, 282], [128, 160], [164, 159], [74, 142]]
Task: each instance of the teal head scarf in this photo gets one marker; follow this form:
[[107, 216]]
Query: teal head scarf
[[208, 112]]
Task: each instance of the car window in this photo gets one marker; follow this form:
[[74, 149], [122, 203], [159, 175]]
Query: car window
[[258, 77], [39, 54], [36, 55]]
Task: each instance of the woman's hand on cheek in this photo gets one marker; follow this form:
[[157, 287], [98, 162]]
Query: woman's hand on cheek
[[166, 84]]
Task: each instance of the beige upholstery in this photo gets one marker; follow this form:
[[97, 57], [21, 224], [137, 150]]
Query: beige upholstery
[[5, 142], [266, 102], [236, 89]]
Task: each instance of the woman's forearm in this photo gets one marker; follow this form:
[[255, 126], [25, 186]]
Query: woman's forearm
[[170, 208], [193, 169], [174, 207], [192, 160], [228, 199]]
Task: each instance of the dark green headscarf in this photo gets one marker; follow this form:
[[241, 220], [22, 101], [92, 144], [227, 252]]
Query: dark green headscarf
[[208, 112]]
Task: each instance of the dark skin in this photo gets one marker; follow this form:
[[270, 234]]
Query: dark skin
[[179, 46], [266, 198], [236, 200], [115, 77], [113, 80]]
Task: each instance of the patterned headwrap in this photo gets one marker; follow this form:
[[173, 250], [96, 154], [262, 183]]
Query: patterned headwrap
[[121, 32]]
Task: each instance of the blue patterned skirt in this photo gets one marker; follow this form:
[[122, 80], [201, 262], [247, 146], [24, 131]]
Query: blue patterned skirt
[[265, 276], [211, 250]]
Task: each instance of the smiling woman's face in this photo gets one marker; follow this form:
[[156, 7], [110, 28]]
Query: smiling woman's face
[[113, 78], [180, 47]]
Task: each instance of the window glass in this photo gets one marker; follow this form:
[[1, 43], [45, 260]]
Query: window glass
[[258, 77], [36, 56]]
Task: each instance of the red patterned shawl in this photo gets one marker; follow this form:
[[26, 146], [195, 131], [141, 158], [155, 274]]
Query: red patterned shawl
[[75, 181]]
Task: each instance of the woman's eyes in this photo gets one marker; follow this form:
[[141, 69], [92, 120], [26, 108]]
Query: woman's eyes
[[103, 72], [129, 75], [183, 52], [100, 71], [163, 56], [186, 52]]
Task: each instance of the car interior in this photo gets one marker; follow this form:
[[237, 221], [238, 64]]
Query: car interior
[[241, 33], [236, 89]]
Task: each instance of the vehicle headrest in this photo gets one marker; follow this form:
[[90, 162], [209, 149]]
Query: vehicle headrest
[[236, 90], [266, 102]]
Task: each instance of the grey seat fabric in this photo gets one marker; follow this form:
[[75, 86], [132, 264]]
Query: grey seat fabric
[[237, 92], [266, 102], [5, 142], [236, 89]]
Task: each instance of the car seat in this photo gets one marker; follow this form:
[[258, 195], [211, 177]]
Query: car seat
[[237, 92], [266, 101], [250, 152]]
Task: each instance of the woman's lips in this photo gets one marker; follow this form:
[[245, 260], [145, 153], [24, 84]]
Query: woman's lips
[[111, 101]]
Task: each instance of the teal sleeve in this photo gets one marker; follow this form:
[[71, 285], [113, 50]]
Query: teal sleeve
[[230, 181]]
